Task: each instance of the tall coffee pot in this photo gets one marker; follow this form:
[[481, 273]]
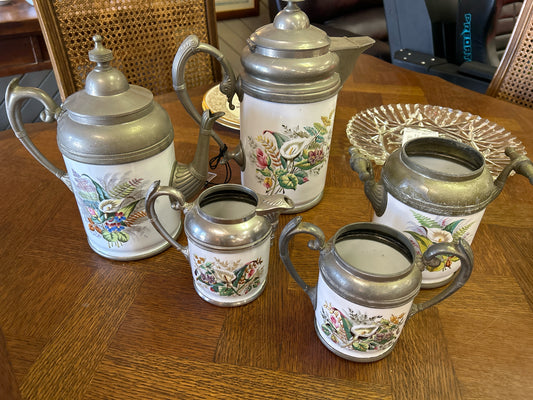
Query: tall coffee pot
[[288, 92], [115, 141]]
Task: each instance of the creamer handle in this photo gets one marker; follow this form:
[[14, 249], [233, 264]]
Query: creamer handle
[[15, 97], [177, 201]]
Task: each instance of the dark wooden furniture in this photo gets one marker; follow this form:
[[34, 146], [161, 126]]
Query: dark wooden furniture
[[143, 35], [512, 80], [21, 41], [77, 325]]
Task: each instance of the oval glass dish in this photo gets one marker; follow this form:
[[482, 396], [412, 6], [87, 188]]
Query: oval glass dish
[[377, 132]]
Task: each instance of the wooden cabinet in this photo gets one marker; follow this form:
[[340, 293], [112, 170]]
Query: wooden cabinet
[[22, 46]]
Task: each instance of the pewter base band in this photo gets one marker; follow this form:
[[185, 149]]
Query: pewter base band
[[228, 304], [305, 206], [149, 253], [346, 356]]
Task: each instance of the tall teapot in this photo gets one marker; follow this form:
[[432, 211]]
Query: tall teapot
[[115, 141], [433, 190], [288, 92]]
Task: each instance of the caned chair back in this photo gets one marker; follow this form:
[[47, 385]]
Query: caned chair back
[[144, 36], [513, 80]]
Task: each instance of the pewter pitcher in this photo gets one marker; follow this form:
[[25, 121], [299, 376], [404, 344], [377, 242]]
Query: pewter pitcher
[[288, 92]]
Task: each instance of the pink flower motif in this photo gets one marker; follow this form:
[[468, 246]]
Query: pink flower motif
[[262, 159], [316, 156], [250, 273]]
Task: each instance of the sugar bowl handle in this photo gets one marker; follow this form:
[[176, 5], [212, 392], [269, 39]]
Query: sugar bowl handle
[[294, 227], [460, 249]]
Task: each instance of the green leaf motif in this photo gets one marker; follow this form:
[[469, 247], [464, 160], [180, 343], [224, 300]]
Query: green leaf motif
[[288, 181], [301, 175], [311, 130], [321, 129], [122, 190], [426, 221], [451, 226], [422, 241], [264, 172], [280, 138], [460, 233], [305, 165], [102, 194], [122, 237], [127, 210]]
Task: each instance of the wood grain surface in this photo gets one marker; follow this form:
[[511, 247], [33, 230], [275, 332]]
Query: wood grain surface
[[79, 326]]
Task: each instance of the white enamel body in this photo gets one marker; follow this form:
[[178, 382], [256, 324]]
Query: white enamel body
[[278, 138], [111, 201], [334, 316], [230, 278], [418, 224]]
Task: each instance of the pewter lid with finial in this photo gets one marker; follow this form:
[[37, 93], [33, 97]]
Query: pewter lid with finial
[[289, 60], [111, 121]]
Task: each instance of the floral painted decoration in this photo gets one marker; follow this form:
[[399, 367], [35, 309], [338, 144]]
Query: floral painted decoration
[[286, 160], [112, 209], [228, 278], [431, 231], [359, 332]]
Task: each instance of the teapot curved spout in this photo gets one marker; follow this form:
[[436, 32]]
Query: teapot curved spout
[[190, 178]]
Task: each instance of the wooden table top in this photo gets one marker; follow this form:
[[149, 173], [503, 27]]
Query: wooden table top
[[77, 325]]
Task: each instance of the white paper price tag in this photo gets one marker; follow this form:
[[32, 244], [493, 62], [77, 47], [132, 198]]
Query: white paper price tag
[[413, 133]]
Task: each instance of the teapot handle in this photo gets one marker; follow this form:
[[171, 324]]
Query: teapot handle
[[177, 201], [15, 97], [294, 227], [463, 251], [190, 46]]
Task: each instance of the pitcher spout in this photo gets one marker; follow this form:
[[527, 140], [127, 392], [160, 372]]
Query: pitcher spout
[[349, 49]]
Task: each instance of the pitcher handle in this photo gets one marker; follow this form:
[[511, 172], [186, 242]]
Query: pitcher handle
[[177, 201], [460, 249], [294, 227], [16, 95], [190, 46]]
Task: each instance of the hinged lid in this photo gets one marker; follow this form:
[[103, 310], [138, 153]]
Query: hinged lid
[[289, 61]]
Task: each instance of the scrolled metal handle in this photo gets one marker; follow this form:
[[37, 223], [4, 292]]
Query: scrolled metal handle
[[294, 227], [16, 95], [177, 201], [460, 249]]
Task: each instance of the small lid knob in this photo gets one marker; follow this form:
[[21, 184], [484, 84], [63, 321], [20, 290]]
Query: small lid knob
[[100, 54], [291, 18]]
